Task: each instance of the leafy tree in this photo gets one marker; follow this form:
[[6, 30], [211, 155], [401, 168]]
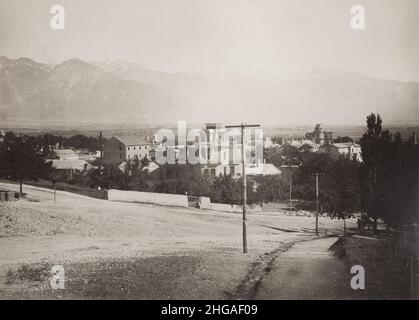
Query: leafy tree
[[389, 175], [226, 189], [371, 149], [20, 160], [80, 141], [277, 139], [267, 189], [284, 155], [341, 190], [305, 148], [343, 139]]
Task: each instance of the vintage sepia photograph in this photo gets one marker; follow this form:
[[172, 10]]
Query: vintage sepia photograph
[[223, 150]]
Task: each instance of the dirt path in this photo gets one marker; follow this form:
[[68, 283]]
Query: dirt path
[[308, 270], [314, 270]]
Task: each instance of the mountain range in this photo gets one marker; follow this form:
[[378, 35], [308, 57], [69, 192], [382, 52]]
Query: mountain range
[[118, 91]]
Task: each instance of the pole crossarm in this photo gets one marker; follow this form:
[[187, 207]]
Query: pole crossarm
[[244, 126]]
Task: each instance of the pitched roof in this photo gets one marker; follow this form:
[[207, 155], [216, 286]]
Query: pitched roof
[[152, 166], [65, 152], [265, 169], [344, 144], [270, 169], [132, 140], [69, 164]]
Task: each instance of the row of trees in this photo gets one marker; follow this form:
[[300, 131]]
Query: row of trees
[[389, 175], [78, 141]]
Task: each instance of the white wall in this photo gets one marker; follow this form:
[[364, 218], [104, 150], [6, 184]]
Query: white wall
[[163, 199], [206, 204], [177, 200]]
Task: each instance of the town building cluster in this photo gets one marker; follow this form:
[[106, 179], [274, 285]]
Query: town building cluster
[[221, 150], [320, 140], [220, 153]]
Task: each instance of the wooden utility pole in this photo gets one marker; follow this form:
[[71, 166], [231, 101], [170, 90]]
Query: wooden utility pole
[[290, 193], [411, 265], [100, 147], [242, 126], [317, 203]]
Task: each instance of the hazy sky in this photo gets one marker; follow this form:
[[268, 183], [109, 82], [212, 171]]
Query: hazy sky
[[276, 37]]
